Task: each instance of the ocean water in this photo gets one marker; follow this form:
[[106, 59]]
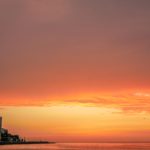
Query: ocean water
[[80, 146]]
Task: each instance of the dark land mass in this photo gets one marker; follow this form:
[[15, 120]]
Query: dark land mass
[[26, 142]]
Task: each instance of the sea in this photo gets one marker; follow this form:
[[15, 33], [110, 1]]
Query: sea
[[79, 146]]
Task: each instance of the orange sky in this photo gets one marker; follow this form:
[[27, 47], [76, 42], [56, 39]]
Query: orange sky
[[75, 70]]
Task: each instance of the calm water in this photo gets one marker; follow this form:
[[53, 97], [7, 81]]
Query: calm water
[[81, 146]]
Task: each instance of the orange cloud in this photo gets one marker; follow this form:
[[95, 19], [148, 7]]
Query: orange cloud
[[131, 103]]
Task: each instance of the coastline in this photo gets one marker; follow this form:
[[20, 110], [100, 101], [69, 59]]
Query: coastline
[[27, 142]]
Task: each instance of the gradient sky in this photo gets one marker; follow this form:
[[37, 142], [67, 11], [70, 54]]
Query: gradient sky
[[82, 66]]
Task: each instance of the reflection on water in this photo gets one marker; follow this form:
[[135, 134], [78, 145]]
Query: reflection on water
[[80, 146]]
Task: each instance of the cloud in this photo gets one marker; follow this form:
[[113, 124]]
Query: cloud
[[129, 103]]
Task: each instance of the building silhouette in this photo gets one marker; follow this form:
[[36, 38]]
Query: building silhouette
[[0, 126], [5, 136]]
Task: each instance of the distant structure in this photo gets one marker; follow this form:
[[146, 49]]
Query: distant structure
[[0, 126], [5, 136]]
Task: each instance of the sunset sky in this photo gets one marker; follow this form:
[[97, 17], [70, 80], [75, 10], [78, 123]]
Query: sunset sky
[[75, 70]]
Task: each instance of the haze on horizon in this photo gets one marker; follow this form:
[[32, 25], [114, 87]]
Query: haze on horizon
[[80, 66]]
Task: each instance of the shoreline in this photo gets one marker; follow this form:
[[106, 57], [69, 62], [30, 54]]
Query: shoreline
[[28, 142]]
